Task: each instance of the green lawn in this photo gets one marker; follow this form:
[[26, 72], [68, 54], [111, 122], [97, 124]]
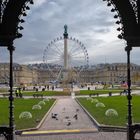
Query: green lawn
[[22, 105], [99, 91], [45, 93], [119, 103], [60, 93], [3, 90]]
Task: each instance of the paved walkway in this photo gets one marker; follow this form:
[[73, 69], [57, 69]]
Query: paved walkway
[[81, 128], [65, 109], [69, 115]]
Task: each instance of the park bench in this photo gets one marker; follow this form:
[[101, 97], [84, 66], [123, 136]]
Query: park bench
[[94, 94], [36, 95]]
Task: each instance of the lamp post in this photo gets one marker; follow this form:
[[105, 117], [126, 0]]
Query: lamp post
[[129, 21], [11, 98], [8, 131], [10, 18], [132, 129], [65, 71], [129, 96]]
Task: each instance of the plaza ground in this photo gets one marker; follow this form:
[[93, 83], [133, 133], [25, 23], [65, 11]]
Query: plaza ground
[[81, 129], [66, 127]]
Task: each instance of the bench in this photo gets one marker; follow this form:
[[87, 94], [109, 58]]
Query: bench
[[93, 94], [36, 95]]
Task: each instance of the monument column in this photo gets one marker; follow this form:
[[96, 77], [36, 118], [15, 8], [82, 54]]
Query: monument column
[[66, 65], [65, 48]]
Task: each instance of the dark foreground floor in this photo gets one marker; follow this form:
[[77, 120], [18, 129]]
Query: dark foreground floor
[[77, 136]]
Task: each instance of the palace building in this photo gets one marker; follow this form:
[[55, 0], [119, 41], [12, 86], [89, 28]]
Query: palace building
[[114, 73], [22, 74]]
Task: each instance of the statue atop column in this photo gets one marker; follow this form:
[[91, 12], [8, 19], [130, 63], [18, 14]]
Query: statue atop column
[[65, 31]]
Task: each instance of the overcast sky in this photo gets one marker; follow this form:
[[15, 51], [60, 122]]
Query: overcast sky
[[89, 21]]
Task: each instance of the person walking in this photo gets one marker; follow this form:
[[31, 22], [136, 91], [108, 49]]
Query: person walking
[[20, 93], [17, 92]]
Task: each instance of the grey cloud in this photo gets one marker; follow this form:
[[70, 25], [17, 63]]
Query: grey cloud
[[88, 21]]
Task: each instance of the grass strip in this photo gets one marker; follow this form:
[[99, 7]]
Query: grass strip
[[119, 103], [61, 93], [22, 105]]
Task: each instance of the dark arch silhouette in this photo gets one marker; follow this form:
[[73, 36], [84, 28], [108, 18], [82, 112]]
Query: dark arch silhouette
[[14, 9], [10, 13], [130, 20]]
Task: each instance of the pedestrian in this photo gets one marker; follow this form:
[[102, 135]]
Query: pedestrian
[[20, 93], [48, 87], [36, 89], [16, 92], [52, 87]]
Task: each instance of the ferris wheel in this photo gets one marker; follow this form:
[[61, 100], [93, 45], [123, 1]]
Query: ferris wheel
[[54, 56]]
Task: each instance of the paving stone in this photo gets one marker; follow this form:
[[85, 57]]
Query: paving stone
[[66, 109], [84, 136]]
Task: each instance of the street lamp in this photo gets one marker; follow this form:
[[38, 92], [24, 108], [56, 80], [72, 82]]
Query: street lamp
[[8, 131], [132, 128], [129, 96], [11, 98]]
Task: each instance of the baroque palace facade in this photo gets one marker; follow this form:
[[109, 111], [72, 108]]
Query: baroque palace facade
[[22, 74], [34, 74], [114, 73]]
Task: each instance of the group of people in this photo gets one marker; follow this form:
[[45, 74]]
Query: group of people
[[48, 87], [18, 92], [124, 92]]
